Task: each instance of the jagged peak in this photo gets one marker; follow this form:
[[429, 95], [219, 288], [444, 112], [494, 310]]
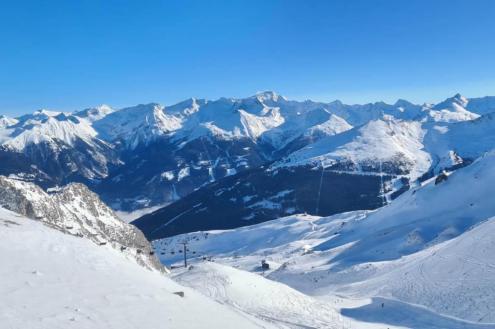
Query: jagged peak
[[457, 99], [268, 95], [188, 106], [48, 113], [403, 103], [95, 113], [336, 102]]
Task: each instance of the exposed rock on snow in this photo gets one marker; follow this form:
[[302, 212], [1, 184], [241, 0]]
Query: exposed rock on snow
[[75, 210]]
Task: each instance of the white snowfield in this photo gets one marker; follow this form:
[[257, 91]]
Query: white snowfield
[[266, 299], [386, 140], [427, 260], [53, 280]]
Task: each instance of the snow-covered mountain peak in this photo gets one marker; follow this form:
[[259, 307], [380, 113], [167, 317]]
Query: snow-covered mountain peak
[[137, 125], [43, 128], [6, 121], [333, 126], [453, 109], [95, 113], [457, 99], [403, 105], [268, 95], [45, 112], [186, 107]]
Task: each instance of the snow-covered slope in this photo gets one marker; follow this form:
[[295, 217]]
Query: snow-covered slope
[[397, 145], [77, 211], [451, 110], [453, 144], [422, 217], [430, 253], [253, 294], [64, 146], [95, 113], [54, 280], [137, 125], [455, 277], [48, 127], [405, 148]]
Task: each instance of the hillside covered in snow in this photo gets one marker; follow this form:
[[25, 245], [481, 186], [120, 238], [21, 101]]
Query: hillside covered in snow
[[54, 280], [423, 261]]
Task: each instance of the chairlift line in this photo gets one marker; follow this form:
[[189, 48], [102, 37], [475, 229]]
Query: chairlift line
[[319, 190], [382, 186]]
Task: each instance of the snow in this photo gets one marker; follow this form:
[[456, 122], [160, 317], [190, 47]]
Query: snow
[[425, 260], [428, 257], [454, 278], [259, 297], [266, 116], [452, 110], [386, 140], [168, 175], [41, 127], [96, 113], [137, 125], [183, 173], [255, 126], [469, 139], [333, 126], [60, 281]]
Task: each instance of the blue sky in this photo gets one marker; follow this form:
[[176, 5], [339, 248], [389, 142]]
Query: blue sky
[[69, 55]]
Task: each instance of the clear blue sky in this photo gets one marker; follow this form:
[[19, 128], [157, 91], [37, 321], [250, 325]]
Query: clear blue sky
[[71, 54]]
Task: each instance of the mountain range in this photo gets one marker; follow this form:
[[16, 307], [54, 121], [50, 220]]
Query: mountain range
[[290, 215], [235, 162]]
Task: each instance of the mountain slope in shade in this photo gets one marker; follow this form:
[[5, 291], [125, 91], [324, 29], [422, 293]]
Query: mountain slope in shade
[[77, 211], [54, 280], [261, 194]]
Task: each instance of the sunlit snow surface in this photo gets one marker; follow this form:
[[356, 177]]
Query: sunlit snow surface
[[52, 280]]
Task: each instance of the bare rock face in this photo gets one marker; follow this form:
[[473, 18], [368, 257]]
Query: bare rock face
[[75, 210]]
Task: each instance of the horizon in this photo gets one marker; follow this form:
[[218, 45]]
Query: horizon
[[71, 55], [237, 98]]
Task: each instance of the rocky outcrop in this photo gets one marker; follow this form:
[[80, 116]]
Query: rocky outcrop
[[75, 210]]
